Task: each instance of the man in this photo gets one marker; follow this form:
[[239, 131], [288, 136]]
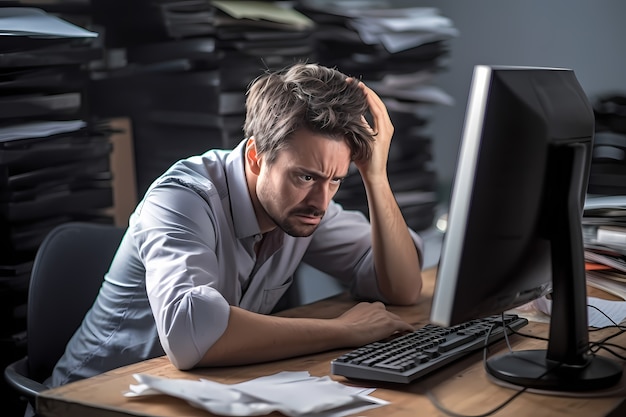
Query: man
[[215, 241]]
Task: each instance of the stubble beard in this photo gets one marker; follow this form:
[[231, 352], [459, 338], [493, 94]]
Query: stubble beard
[[293, 229]]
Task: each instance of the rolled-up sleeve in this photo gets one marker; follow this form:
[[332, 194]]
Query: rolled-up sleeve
[[175, 235]]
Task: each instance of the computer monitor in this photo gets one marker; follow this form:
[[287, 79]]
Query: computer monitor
[[514, 223]]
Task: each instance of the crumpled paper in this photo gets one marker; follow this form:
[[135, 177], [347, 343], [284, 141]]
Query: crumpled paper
[[293, 394]]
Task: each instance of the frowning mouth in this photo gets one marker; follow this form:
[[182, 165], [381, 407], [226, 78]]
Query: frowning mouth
[[308, 218]]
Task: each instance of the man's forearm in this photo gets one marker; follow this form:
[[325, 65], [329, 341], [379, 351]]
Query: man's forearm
[[253, 338], [395, 255]]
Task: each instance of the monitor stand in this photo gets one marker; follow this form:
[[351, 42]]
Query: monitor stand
[[566, 364]]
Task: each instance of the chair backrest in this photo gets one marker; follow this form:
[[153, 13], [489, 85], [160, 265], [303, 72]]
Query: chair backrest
[[67, 273]]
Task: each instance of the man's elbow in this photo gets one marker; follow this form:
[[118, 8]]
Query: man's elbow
[[407, 294], [405, 297], [181, 355], [182, 364]]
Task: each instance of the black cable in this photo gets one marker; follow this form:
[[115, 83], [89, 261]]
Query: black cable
[[444, 410], [617, 355]]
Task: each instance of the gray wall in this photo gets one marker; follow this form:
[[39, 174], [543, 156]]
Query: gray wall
[[584, 35]]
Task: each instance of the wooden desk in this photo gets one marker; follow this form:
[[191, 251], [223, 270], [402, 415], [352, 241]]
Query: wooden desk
[[462, 387]]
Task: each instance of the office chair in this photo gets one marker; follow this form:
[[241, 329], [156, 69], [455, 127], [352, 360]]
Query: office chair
[[68, 270]]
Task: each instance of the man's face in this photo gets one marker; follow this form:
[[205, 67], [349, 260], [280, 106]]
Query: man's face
[[295, 190]]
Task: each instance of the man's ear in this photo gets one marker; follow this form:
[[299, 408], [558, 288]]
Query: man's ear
[[252, 157]]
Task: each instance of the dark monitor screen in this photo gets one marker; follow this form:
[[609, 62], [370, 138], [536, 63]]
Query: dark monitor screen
[[514, 229]]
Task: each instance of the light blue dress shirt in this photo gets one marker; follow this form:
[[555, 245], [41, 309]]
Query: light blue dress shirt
[[188, 254]]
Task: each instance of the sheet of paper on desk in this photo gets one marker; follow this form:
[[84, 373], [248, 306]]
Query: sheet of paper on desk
[[290, 393], [600, 313]]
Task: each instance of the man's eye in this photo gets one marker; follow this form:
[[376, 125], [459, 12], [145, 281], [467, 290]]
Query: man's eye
[[306, 178], [337, 181]]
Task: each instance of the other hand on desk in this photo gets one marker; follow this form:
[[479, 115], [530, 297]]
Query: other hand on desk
[[369, 322]]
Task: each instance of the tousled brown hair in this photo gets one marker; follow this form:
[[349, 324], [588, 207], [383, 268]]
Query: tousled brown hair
[[306, 96]]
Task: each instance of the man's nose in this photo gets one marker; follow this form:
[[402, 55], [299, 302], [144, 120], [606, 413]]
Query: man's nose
[[319, 196]]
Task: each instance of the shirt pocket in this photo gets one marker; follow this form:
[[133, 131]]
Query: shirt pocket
[[271, 296]]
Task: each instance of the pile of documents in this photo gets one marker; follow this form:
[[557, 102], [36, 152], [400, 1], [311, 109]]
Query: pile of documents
[[290, 393], [54, 159], [396, 48], [604, 236], [54, 163], [183, 80]]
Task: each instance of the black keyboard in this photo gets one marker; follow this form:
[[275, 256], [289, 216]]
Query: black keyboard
[[412, 355]]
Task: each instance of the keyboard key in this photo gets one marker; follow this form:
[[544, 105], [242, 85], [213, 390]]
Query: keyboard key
[[463, 339]]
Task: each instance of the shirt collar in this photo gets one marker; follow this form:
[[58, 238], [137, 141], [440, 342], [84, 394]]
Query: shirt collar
[[244, 217]]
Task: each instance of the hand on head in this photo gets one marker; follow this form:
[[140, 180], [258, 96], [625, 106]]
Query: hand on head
[[381, 128]]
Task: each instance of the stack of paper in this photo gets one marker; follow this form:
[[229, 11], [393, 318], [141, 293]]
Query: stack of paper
[[54, 165], [183, 80], [54, 162], [604, 236]]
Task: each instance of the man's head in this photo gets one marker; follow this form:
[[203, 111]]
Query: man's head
[[311, 97], [304, 126]]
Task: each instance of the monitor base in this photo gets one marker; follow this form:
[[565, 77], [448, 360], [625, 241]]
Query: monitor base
[[531, 369]]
